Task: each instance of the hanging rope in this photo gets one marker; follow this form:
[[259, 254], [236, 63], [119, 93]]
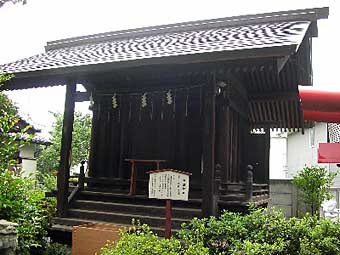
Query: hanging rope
[[146, 99], [163, 91]]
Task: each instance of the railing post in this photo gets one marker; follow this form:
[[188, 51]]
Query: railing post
[[81, 176], [249, 183], [217, 179]]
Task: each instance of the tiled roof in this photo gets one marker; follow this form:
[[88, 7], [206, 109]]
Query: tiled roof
[[35, 139], [233, 38]]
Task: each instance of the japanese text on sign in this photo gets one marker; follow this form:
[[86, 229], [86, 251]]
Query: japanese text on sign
[[169, 185]]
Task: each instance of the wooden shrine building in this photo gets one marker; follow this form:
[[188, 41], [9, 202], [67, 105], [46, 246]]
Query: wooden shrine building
[[198, 96]]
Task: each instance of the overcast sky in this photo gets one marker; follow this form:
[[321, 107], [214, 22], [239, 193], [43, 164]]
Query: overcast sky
[[25, 29]]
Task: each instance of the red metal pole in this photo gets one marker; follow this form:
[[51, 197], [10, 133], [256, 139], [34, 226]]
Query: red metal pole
[[168, 219]]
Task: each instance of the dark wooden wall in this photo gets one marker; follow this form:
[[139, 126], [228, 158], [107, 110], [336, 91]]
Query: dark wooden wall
[[257, 154], [173, 132], [159, 130], [231, 138], [232, 129]]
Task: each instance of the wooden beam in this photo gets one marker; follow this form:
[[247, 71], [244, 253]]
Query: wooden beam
[[281, 63], [65, 152], [82, 96], [274, 96], [209, 205]]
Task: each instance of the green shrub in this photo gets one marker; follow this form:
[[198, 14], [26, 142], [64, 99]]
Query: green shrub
[[23, 203], [49, 157], [57, 249], [47, 181], [144, 241], [314, 182], [263, 232], [10, 131]]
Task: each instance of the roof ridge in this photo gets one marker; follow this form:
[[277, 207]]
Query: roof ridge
[[312, 14]]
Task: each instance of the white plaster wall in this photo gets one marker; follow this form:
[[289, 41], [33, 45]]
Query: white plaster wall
[[29, 163], [334, 168], [27, 151], [303, 149], [29, 167], [278, 157]]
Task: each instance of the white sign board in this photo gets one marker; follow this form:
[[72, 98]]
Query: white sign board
[[169, 185]]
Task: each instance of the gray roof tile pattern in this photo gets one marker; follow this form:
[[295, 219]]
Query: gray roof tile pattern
[[165, 45], [35, 139]]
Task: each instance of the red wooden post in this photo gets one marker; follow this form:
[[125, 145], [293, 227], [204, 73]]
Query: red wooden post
[[168, 219], [133, 179]]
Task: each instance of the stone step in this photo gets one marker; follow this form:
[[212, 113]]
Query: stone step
[[123, 218], [177, 212], [141, 189], [66, 225], [237, 197], [136, 200]]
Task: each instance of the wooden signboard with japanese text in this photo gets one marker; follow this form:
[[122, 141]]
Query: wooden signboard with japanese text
[[169, 184]]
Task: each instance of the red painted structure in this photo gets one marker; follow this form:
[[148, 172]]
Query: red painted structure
[[329, 153], [322, 106]]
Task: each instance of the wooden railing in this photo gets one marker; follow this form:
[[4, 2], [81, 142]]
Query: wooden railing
[[249, 183], [249, 191], [80, 183]]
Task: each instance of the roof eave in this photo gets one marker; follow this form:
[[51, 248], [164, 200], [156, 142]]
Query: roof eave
[[60, 76], [312, 15]]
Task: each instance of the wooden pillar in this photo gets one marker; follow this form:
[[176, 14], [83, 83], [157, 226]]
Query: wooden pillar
[[93, 144], [221, 137], [167, 219], [266, 155], [65, 152], [123, 133], [209, 203]]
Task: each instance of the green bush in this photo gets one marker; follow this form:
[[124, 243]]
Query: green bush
[[144, 241], [23, 203], [263, 232], [314, 182], [49, 157], [57, 249], [10, 131], [47, 181]]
